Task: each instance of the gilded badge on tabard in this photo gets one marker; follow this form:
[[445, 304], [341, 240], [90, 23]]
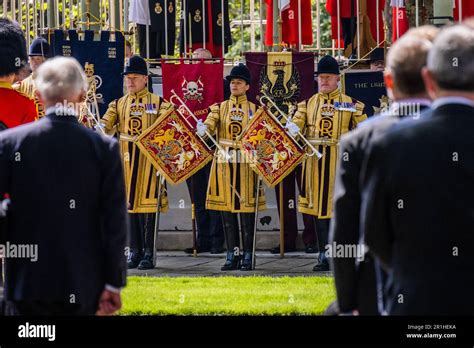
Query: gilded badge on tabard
[[219, 19], [197, 16], [170, 8], [158, 8], [326, 120]]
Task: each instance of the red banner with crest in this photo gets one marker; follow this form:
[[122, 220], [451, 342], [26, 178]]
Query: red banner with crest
[[270, 151], [172, 146], [199, 85]]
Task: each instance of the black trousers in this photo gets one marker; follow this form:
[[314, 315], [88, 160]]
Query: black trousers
[[231, 230], [290, 219], [210, 233], [157, 42], [142, 229], [322, 230]]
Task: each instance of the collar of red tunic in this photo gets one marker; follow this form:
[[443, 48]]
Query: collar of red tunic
[[4, 84]]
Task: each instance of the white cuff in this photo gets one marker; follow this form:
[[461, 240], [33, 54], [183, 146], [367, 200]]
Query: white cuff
[[112, 289]]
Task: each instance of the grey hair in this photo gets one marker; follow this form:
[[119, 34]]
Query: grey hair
[[405, 60], [60, 78], [451, 60]]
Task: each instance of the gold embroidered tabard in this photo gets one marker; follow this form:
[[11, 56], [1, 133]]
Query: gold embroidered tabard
[[129, 116], [324, 116], [232, 184]]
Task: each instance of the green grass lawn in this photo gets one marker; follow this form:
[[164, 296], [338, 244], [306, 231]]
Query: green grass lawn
[[227, 295]]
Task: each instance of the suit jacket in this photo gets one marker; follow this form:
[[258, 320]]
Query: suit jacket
[[67, 196], [355, 282], [418, 212]]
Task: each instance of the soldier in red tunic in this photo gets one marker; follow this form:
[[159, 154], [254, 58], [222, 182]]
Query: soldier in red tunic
[[15, 108]]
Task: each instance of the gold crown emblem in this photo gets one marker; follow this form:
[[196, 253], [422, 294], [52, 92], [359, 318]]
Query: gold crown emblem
[[89, 69], [279, 65], [236, 114], [327, 110]]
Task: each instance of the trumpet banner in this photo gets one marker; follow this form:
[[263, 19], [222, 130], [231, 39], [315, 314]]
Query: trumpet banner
[[173, 147], [269, 150]]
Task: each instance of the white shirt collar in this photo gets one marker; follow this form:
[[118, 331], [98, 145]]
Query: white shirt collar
[[452, 100]]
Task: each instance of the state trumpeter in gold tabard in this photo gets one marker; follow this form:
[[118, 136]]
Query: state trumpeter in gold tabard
[[129, 116], [232, 183], [38, 53], [323, 119]]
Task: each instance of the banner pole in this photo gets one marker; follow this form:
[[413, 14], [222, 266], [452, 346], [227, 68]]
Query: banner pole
[[358, 29], [300, 43], [338, 43], [252, 25], [282, 221], [125, 15], [222, 29], [64, 14], [398, 22], [14, 8], [112, 22], [276, 42], [262, 42], [27, 25], [254, 246], [185, 27], [193, 218], [20, 16], [318, 32], [147, 36], [204, 23], [241, 28], [378, 21], [166, 28], [157, 216], [56, 15], [35, 19]]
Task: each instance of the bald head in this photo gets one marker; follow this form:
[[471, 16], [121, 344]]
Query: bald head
[[202, 53], [405, 62]]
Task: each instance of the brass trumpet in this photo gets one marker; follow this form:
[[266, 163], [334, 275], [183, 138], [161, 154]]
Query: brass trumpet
[[314, 151], [183, 104]]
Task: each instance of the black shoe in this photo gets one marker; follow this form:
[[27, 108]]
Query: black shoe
[[288, 249], [146, 262], [321, 266], [133, 259], [232, 262], [199, 250], [310, 249], [217, 250], [246, 262]]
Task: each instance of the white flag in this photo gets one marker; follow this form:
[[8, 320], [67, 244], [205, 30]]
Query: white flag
[[283, 5]]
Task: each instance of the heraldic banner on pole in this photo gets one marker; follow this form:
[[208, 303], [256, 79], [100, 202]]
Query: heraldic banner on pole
[[199, 85], [173, 147], [270, 151], [102, 60], [286, 77]]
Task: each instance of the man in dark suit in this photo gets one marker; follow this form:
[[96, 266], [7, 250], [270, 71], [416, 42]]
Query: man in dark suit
[[355, 274], [67, 209], [417, 206]]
